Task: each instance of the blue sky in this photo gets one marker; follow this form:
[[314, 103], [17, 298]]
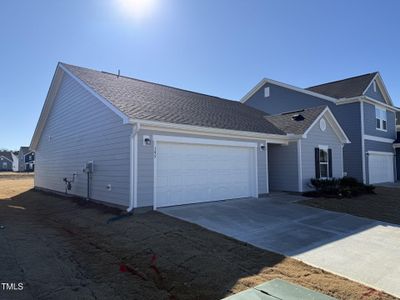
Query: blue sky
[[221, 48]]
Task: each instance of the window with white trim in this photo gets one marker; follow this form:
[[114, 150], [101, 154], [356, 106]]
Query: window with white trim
[[4, 165], [381, 118], [323, 163]]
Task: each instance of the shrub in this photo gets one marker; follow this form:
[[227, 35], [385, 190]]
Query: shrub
[[339, 187], [349, 181]]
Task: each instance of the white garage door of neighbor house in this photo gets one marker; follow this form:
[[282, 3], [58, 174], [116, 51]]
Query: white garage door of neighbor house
[[380, 167], [192, 173]]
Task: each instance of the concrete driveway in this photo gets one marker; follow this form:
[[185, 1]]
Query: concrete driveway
[[360, 249]]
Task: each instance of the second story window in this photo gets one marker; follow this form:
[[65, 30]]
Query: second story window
[[381, 118]]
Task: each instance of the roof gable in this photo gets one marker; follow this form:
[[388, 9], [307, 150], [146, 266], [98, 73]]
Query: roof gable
[[302, 121], [382, 93], [345, 88], [7, 155], [135, 99], [296, 122]]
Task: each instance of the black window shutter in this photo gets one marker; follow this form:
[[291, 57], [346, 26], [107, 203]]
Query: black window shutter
[[317, 171], [330, 162]]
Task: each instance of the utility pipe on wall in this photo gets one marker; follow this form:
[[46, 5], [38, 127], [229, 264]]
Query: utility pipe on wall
[[133, 167]]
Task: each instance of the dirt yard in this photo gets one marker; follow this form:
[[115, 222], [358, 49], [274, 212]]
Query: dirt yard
[[383, 206], [61, 248]]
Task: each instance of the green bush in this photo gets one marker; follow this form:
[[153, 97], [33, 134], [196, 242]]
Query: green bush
[[339, 187]]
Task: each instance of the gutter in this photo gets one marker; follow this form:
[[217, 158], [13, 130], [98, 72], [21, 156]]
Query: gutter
[[133, 167]]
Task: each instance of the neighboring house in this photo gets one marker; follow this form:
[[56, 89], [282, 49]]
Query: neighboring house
[[150, 145], [15, 159], [26, 160], [6, 161], [396, 145], [363, 108]]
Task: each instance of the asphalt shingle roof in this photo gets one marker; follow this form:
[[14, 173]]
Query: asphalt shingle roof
[[287, 121], [151, 101], [345, 88]]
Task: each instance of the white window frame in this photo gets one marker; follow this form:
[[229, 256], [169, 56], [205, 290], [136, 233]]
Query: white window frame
[[381, 115], [325, 149]]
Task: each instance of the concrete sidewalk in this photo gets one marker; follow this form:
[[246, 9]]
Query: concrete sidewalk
[[360, 249]]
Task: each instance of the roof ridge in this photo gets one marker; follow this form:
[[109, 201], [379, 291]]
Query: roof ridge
[[151, 82], [344, 79]]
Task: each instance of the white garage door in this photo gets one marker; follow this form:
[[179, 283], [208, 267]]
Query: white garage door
[[380, 167], [191, 173]]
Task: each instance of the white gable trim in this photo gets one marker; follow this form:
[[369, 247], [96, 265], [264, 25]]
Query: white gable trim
[[284, 85], [107, 103], [6, 158], [334, 124], [382, 88], [50, 98]]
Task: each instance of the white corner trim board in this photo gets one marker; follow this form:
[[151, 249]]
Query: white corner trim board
[[363, 143], [266, 167], [133, 167], [378, 139], [299, 166]]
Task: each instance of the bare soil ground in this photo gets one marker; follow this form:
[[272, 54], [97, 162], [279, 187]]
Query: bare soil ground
[[62, 248], [383, 206]]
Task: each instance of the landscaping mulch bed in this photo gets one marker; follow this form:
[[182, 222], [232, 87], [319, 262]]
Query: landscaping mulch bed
[[65, 249], [384, 205]]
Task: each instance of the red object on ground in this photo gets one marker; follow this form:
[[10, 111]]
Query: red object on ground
[[123, 268], [153, 264]]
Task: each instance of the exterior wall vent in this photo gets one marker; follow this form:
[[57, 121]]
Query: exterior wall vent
[[266, 92]]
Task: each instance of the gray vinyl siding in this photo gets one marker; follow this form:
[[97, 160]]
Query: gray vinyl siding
[[283, 100], [349, 118], [283, 167], [376, 146], [317, 137], [80, 128], [398, 163], [375, 95], [146, 165], [7, 166], [370, 123]]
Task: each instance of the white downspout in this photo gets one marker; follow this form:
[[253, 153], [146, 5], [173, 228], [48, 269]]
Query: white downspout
[[133, 167]]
